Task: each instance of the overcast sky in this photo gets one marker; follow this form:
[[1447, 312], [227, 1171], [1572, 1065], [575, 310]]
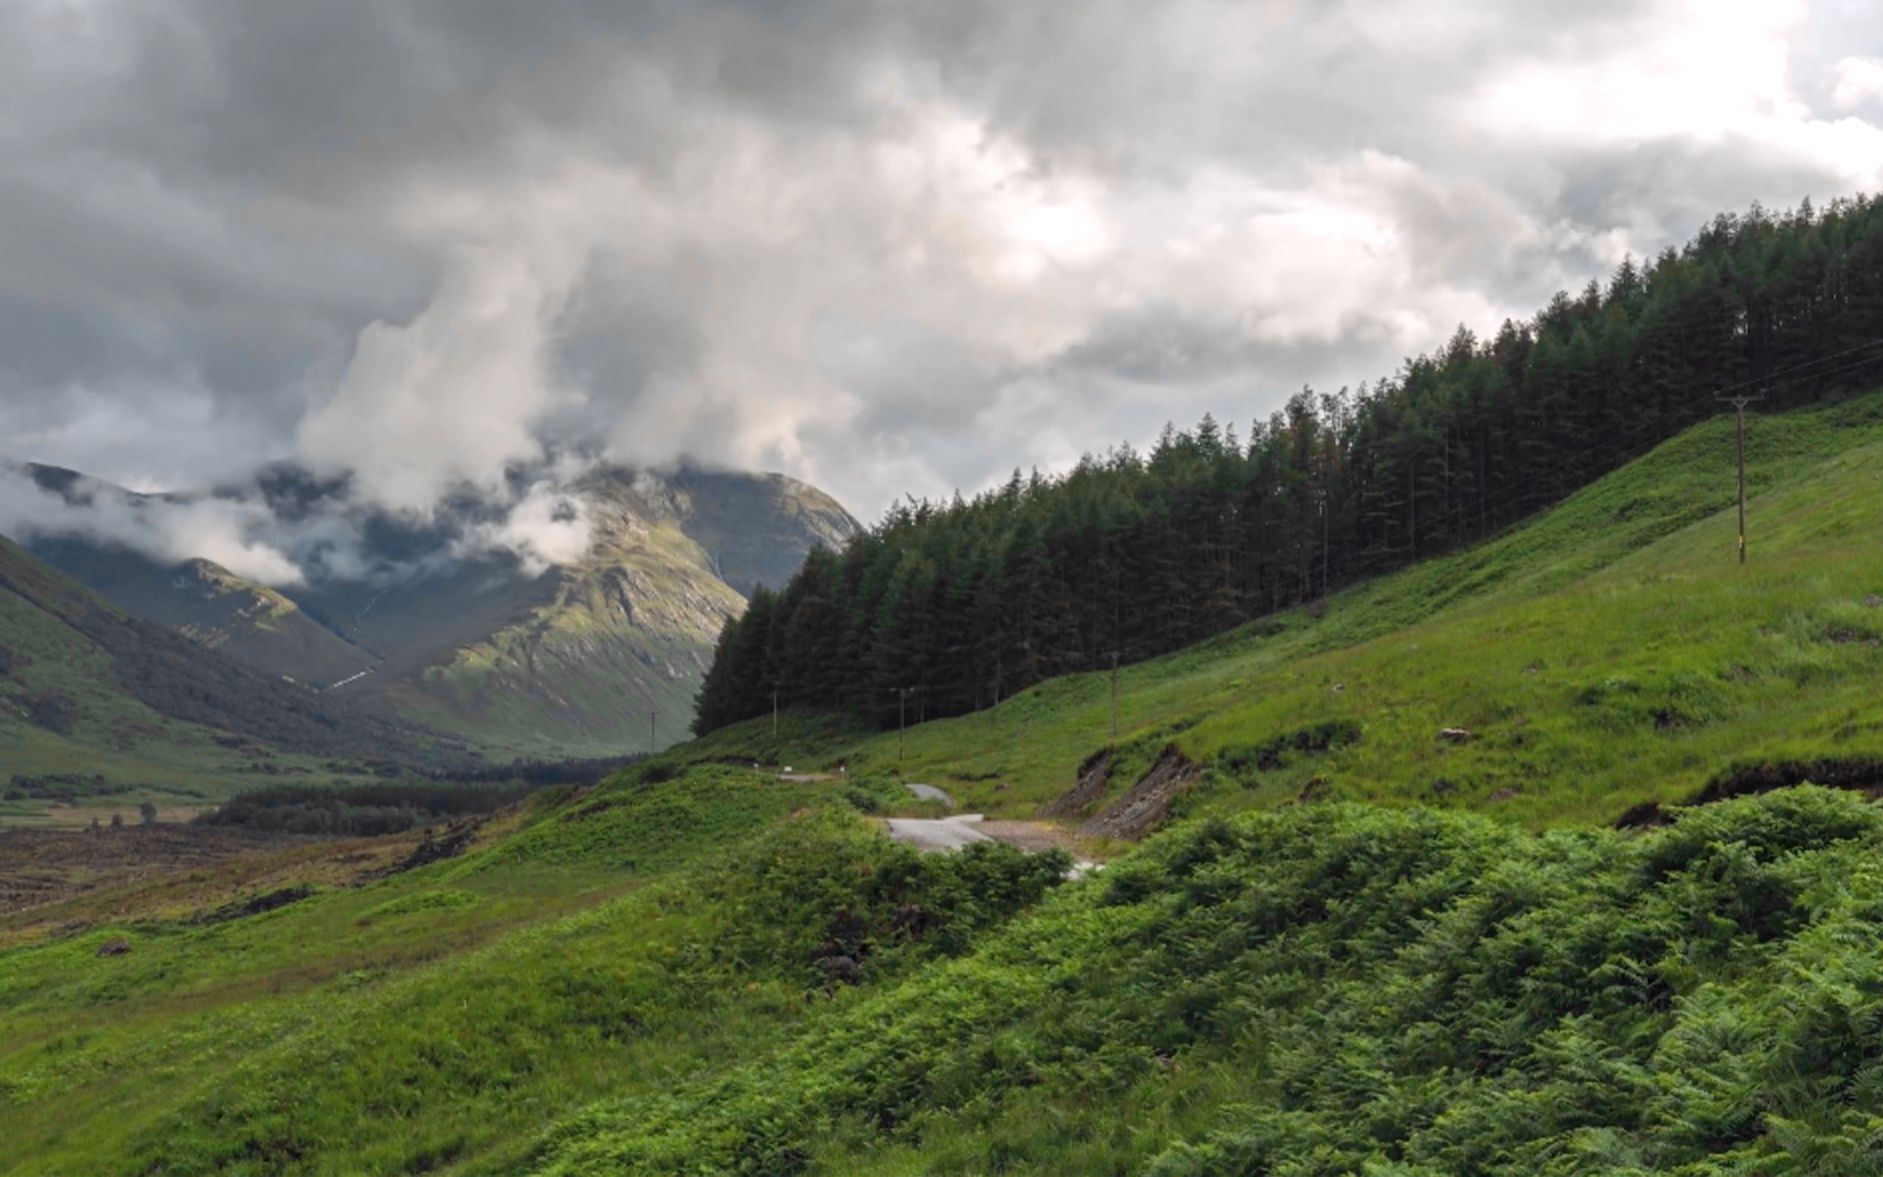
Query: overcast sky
[[885, 247]]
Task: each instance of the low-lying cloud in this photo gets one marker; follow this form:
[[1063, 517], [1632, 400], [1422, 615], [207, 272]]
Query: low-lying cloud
[[533, 522], [229, 532]]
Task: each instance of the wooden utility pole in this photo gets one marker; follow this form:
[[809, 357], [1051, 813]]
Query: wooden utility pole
[[1326, 533], [774, 711], [1739, 404], [902, 722], [1114, 696]]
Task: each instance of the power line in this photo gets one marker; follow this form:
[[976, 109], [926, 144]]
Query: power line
[[1802, 364], [1795, 381]]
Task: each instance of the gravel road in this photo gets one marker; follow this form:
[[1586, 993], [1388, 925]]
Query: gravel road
[[949, 833], [930, 793]]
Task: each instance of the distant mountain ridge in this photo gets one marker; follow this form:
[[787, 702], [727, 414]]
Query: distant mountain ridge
[[594, 656], [91, 676], [254, 624]]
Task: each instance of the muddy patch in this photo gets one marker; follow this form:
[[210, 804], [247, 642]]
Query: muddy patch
[[1646, 816], [1031, 836], [1084, 796], [1278, 750], [455, 840], [1148, 803]]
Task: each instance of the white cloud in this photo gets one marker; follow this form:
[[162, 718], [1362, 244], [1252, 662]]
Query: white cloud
[[547, 526], [454, 396], [222, 531], [1858, 80], [1693, 69]]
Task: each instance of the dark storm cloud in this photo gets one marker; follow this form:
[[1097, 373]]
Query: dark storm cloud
[[885, 246]]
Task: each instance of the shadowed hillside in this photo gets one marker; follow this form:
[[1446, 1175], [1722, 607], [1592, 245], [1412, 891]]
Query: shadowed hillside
[[86, 689]]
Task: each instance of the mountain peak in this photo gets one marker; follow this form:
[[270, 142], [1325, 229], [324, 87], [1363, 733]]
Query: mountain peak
[[485, 619]]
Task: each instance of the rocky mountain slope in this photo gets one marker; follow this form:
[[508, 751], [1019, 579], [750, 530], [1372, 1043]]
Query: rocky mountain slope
[[604, 654], [598, 655]]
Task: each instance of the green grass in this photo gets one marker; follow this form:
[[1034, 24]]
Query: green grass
[[1346, 989], [178, 766], [1607, 653], [613, 939], [636, 978]]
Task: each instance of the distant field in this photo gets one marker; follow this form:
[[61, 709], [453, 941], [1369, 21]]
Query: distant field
[[182, 772]]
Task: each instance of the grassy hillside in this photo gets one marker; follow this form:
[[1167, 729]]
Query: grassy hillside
[[250, 622], [702, 967], [1344, 989], [724, 973], [593, 944], [1608, 653], [125, 712]]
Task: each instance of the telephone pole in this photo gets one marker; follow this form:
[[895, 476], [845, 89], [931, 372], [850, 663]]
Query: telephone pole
[[1739, 404], [1114, 696], [1326, 534], [774, 711], [902, 721]]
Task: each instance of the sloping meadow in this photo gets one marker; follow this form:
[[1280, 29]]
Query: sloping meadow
[[1340, 989], [1608, 653], [615, 939]]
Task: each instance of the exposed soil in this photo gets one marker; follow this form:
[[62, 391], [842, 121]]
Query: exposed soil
[[255, 904], [1084, 796], [1858, 774], [1645, 816], [1147, 805], [451, 842], [1033, 836]]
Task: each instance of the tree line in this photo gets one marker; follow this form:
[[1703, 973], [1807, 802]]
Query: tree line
[[359, 810], [948, 607]]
